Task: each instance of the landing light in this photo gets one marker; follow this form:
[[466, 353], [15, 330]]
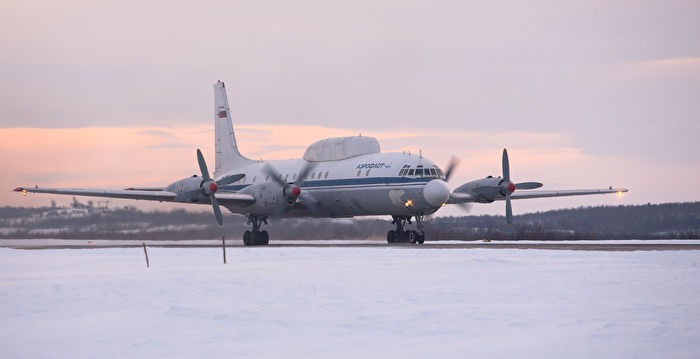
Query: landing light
[[409, 203], [619, 194], [444, 204], [24, 192]]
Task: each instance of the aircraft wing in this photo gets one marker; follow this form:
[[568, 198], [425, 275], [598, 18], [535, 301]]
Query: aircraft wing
[[562, 193], [456, 198], [149, 195], [234, 198]]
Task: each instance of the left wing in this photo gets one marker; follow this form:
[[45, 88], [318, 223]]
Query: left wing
[[149, 195]]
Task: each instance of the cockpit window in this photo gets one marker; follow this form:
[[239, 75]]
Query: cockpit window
[[420, 171]]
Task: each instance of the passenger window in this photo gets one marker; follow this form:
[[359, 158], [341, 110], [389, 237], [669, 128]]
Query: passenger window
[[410, 172], [367, 173], [294, 178], [254, 178], [313, 174], [358, 173], [326, 176], [285, 177]]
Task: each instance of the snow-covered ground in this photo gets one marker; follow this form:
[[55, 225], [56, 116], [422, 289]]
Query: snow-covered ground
[[24, 243], [349, 302]]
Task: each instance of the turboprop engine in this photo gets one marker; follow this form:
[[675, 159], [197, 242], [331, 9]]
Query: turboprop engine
[[194, 189], [489, 189], [290, 192]]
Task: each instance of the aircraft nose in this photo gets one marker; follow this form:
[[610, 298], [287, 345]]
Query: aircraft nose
[[436, 193]]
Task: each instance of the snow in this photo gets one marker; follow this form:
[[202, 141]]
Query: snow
[[349, 302]]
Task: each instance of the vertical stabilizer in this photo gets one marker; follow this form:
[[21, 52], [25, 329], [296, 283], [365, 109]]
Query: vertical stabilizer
[[227, 155]]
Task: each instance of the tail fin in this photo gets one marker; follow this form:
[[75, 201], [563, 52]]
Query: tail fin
[[227, 155]]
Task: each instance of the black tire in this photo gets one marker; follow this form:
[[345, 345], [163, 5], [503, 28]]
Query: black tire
[[421, 238], [246, 238], [264, 238], [412, 236], [390, 237]]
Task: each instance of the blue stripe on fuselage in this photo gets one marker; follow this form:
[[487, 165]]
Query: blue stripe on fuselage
[[346, 182]]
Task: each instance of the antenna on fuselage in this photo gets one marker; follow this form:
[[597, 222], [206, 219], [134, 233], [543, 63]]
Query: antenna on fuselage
[[420, 152]]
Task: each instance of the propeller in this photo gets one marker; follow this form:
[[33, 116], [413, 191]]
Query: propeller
[[292, 191], [454, 161], [506, 187], [209, 187]]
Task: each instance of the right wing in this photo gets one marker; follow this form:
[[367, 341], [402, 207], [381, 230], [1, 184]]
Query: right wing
[[562, 193], [460, 197]]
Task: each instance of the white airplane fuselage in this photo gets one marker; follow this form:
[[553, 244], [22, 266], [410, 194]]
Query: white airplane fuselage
[[357, 186]]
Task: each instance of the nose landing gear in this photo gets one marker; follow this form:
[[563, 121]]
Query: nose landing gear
[[400, 235], [256, 237]]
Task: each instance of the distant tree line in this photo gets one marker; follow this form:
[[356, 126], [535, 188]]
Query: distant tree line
[[670, 220]]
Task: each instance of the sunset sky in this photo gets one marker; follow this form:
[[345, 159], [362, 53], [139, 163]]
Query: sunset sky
[[584, 94]]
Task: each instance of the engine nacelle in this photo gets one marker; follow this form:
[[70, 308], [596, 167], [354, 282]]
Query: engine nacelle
[[188, 189], [485, 190], [269, 198]]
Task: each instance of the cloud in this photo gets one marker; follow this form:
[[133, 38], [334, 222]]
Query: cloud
[[682, 67], [679, 62], [171, 145], [157, 133]]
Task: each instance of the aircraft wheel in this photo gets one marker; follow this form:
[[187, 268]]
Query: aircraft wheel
[[403, 236], [264, 238], [390, 237], [412, 236], [421, 238], [246, 238]]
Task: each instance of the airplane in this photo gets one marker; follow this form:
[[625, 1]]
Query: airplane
[[337, 177]]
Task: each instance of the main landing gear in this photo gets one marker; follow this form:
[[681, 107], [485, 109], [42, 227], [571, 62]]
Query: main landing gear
[[400, 235], [256, 237]]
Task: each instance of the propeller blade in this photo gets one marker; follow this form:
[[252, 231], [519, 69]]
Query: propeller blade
[[217, 210], [454, 161], [509, 211], [506, 166], [528, 185], [230, 179], [466, 207], [304, 173], [274, 175], [202, 166], [310, 203]]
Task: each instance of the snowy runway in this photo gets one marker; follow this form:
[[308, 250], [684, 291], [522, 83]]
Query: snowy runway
[[349, 302]]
